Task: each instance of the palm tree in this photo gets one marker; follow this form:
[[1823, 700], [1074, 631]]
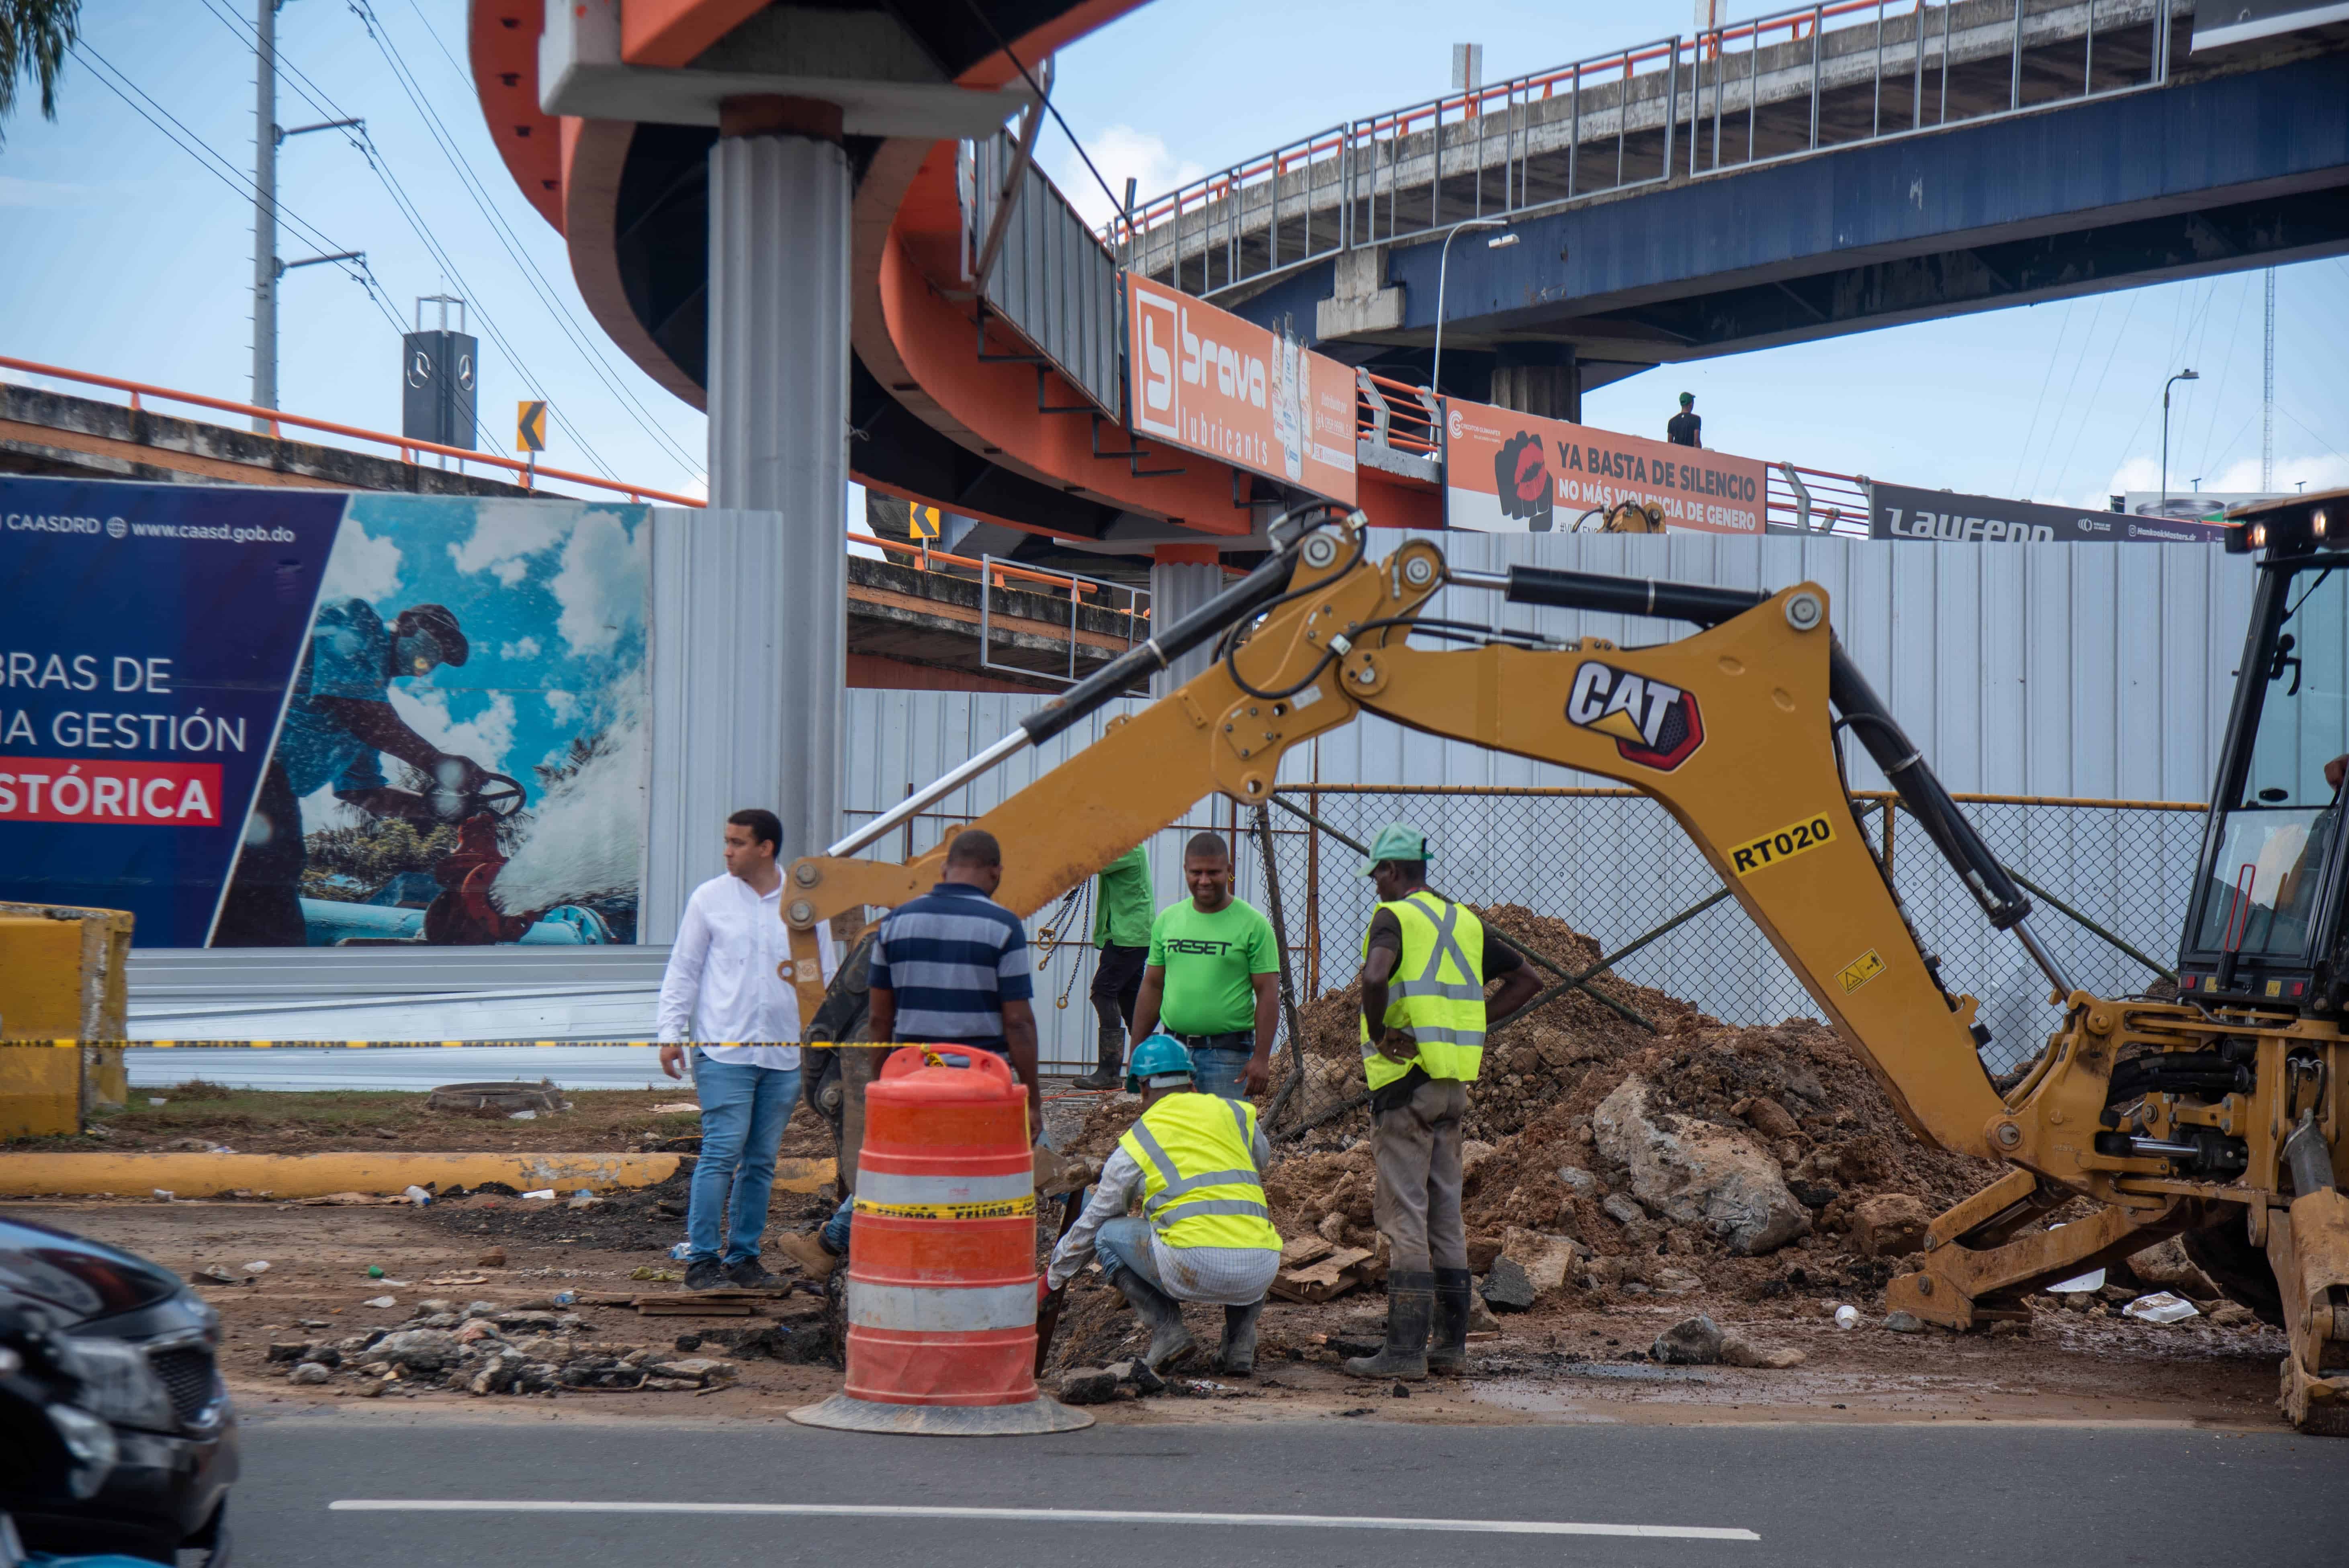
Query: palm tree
[[34, 37]]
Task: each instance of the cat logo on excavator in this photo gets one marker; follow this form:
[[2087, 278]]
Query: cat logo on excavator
[[1654, 725]]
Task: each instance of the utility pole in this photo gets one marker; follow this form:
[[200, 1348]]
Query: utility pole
[[264, 210], [2267, 415]]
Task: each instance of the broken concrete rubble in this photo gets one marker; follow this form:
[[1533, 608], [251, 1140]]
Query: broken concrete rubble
[[1888, 1225], [1692, 1342], [1696, 1173]]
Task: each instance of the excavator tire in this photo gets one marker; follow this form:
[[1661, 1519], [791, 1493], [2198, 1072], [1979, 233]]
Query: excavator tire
[[2237, 1267]]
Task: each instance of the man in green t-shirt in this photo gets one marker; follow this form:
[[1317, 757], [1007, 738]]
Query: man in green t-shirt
[[1210, 979], [1121, 936]]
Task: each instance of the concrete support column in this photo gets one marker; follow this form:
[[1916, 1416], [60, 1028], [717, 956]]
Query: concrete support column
[[778, 403], [1538, 378], [1182, 578]]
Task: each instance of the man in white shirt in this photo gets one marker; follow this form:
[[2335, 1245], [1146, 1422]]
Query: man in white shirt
[[724, 987]]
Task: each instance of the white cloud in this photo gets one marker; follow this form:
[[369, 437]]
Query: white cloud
[[2238, 478], [1121, 152], [486, 737], [600, 585], [363, 566], [563, 705], [506, 534], [521, 648]]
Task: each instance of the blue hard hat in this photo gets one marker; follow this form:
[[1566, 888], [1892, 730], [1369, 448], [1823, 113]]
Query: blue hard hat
[[1158, 1056]]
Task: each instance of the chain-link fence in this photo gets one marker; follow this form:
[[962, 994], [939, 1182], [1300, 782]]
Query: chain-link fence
[[2110, 879]]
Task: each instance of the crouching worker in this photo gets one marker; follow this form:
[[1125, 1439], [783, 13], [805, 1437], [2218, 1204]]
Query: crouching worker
[[1205, 1236]]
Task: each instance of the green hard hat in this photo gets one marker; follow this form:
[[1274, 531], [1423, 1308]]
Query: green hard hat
[[1396, 842], [1159, 1055]]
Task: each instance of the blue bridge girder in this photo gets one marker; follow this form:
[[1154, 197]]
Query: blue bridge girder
[[2193, 178]]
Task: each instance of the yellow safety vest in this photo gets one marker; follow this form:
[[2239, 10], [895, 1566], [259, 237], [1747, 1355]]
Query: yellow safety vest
[[1201, 1188], [1437, 991]]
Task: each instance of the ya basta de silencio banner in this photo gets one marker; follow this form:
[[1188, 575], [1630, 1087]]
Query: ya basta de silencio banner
[[205, 717], [1209, 382], [1505, 472]]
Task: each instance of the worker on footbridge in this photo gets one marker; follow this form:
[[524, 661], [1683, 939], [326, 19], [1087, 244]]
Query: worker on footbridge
[[1424, 1015], [1205, 1233]]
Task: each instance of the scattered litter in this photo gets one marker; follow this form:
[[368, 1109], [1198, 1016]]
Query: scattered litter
[[2161, 1307], [163, 1194], [218, 1273], [1846, 1318], [258, 1266], [418, 1196], [157, 1099], [651, 1275], [677, 1107], [375, 1271], [2093, 1280], [541, 1193], [379, 1301], [525, 1116], [565, 1297], [681, 1251]]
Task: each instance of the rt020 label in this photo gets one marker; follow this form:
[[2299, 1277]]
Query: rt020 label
[[1784, 844]]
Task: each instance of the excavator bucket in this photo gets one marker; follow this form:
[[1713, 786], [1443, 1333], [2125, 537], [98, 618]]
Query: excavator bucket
[[2309, 1246]]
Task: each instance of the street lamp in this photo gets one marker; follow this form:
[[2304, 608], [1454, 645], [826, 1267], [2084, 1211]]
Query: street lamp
[[1442, 269], [2182, 376]]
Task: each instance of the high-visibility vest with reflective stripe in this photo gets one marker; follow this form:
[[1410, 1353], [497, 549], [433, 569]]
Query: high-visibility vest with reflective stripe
[[1201, 1188], [1437, 991]]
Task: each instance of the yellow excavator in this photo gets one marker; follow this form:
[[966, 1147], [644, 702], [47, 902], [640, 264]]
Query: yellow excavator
[[2217, 1116]]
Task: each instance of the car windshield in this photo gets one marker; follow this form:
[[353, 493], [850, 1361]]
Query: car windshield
[[2271, 849]]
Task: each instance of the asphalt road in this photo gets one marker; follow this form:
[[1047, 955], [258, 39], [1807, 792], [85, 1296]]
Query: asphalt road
[[345, 1490]]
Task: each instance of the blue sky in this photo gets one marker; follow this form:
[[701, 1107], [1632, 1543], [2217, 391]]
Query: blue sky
[[125, 257]]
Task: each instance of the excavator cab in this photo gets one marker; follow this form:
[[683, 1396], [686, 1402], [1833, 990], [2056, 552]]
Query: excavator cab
[[2265, 927]]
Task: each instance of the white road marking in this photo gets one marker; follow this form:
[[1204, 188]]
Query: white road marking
[[1046, 1516]]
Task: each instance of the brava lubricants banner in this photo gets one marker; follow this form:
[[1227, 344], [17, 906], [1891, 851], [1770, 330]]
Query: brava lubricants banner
[[1902, 512], [1505, 472], [284, 718], [1209, 381]]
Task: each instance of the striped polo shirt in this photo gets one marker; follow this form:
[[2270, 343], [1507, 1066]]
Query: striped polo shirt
[[952, 958]]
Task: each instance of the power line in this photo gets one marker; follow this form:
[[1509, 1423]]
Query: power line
[[2078, 363], [548, 295], [219, 167], [2023, 448], [1116, 202], [319, 100]]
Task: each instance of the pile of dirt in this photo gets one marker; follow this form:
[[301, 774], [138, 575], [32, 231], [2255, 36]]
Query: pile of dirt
[[1794, 1091]]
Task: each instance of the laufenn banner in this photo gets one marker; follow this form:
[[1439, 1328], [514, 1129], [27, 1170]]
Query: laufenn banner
[[1207, 381], [1902, 512], [1505, 472]]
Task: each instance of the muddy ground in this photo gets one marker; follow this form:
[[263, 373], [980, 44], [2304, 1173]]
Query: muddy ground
[[1569, 1362]]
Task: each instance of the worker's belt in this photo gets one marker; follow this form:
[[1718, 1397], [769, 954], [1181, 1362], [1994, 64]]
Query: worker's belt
[[1240, 1040]]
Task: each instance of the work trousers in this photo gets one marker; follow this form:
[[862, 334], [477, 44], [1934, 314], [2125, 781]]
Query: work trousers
[[1117, 984], [1417, 1205]]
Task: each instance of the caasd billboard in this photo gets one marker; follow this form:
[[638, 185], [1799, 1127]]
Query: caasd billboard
[[1505, 472], [1206, 381]]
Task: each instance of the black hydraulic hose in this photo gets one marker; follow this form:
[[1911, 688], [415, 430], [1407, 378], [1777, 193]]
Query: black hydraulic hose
[[1234, 604], [1904, 768]]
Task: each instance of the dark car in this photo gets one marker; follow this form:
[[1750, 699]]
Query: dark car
[[125, 1341]]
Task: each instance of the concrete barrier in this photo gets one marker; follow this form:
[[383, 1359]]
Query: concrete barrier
[[35, 1175], [62, 974]]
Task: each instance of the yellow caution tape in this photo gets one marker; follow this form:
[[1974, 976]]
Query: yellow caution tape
[[999, 1209]]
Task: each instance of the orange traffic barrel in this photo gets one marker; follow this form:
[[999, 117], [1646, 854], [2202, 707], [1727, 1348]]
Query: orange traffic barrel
[[941, 1281]]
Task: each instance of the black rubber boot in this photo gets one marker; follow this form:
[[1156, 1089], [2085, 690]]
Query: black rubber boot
[[1411, 1303], [1237, 1353], [1447, 1354], [1169, 1340], [1112, 1057]]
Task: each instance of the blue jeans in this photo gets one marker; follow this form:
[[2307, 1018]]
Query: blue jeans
[[1124, 1243], [743, 1109], [1216, 1069]]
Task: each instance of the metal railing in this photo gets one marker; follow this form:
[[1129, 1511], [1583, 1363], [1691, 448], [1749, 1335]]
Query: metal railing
[[1816, 500], [1791, 84], [409, 447], [1132, 622]]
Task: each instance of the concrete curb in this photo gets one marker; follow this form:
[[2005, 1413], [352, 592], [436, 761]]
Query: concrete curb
[[317, 1175]]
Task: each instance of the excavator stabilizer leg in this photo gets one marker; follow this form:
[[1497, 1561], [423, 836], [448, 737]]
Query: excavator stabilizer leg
[[1978, 1269], [2308, 1245]]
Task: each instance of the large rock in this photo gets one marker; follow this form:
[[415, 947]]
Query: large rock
[[1739, 1352], [1692, 1342], [1697, 1174], [2163, 1267], [1547, 1259], [1088, 1385], [417, 1349], [1507, 1288], [1889, 1225]]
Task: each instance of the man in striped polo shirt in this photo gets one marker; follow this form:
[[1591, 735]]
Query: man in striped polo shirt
[[948, 968]]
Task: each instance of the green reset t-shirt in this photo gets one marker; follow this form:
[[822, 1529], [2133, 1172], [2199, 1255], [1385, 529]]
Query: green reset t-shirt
[[1208, 959]]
